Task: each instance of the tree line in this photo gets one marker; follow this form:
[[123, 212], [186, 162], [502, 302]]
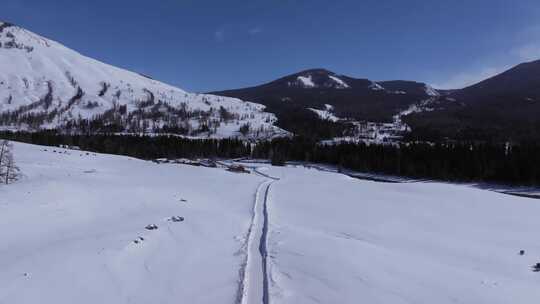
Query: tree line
[[448, 161], [139, 146]]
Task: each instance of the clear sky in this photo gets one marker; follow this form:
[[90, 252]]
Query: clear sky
[[209, 45]]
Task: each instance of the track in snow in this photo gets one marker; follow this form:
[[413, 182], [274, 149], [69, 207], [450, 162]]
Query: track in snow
[[262, 245], [254, 284]]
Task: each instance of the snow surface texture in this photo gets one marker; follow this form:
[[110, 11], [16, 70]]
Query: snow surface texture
[[42, 76], [69, 227]]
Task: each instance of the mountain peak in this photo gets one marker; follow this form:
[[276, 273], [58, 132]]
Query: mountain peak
[[319, 71], [4, 25], [15, 37]]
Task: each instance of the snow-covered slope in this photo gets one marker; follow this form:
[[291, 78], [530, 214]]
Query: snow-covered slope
[[326, 114], [43, 84]]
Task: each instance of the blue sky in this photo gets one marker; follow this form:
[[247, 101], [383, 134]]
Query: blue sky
[[209, 45]]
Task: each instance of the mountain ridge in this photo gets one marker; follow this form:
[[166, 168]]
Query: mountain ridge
[[45, 85], [505, 107]]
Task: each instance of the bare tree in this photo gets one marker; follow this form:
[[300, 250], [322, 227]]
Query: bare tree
[[4, 147], [9, 172]]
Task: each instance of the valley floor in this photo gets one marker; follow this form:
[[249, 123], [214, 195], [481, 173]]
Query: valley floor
[[73, 231]]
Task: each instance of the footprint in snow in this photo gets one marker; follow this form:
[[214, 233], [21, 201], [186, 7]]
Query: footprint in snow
[[151, 227], [176, 219], [138, 240]]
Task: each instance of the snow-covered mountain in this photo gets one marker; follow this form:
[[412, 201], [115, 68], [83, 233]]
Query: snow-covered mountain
[[505, 107], [301, 101], [44, 84]]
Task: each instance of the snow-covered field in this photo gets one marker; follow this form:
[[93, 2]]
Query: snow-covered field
[[335, 239], [67, 232]]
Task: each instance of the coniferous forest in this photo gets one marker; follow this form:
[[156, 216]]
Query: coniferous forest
[[448, 161], [144, 147]]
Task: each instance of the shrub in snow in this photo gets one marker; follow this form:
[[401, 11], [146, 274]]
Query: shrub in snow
[[536, 267]]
